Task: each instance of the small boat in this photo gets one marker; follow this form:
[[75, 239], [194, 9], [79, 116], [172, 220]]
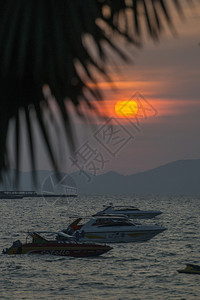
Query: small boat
[[67, 247], [130, 211], [190, 269], [71, 192], [112, 229]]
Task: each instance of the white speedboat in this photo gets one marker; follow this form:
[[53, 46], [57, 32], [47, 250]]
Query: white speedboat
[[112, 229], [130, 211]]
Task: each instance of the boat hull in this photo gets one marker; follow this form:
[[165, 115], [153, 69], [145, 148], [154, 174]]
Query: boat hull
[[120, 237]]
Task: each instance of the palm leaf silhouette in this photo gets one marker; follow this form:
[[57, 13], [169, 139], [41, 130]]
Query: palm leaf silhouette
[[43, 41]]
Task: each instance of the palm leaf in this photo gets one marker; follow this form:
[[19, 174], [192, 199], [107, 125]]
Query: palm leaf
[[41, 42]]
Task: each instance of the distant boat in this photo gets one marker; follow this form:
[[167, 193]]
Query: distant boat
[[129, 211], [190, 269], [33, 194], [10, 195]]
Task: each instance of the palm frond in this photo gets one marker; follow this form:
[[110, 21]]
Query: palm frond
[[43, 41]]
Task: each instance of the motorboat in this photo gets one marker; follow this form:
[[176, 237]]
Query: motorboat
[[112, 229], [130, 211], [65, 246], [191, 269]]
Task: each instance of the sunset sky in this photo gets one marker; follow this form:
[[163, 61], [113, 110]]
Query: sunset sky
[[165, 78], [167, 74]]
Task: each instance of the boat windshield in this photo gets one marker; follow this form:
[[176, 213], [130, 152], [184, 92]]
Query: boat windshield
[[122, 208], [104, 222]]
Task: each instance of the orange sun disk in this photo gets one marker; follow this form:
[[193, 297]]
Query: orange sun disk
[[126, 109]]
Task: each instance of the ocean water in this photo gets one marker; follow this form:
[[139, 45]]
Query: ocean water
[[145, 270]]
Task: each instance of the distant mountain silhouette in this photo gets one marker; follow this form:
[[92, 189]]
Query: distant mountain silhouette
[[179, 177]]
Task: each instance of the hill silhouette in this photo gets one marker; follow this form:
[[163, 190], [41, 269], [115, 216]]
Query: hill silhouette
[[178, 177]]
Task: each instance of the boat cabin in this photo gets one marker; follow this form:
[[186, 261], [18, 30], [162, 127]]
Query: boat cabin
[[121, 208], [107, 221]]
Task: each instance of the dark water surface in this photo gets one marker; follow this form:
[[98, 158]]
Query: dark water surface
[[130, 271]]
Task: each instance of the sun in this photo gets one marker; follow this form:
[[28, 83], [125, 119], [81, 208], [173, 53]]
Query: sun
[[126, 109]]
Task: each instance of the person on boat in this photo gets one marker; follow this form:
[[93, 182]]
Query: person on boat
[[77, 235]]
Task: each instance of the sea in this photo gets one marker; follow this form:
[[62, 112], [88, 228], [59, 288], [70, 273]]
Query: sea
[[146, 270]]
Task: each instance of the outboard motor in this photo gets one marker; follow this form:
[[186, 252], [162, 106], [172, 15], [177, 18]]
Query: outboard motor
[[17, 243], [16, 248]]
